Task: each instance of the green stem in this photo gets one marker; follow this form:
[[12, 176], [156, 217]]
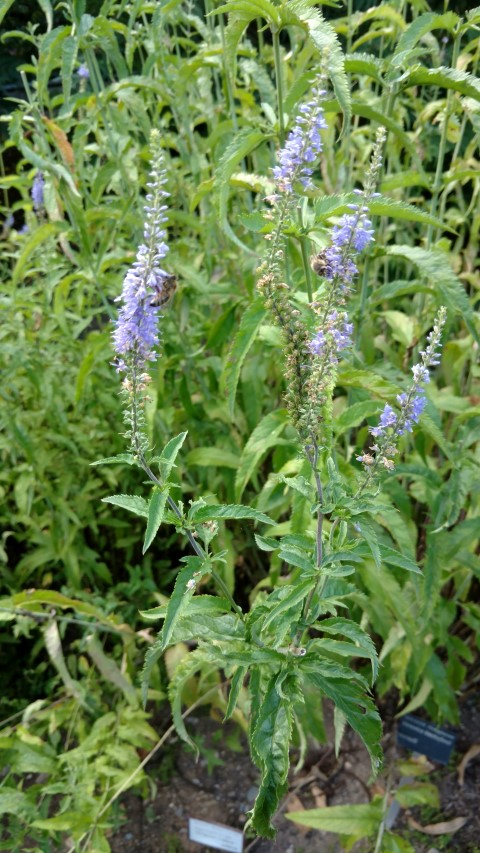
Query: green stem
[[200, 552], [312, 455], [279, 83], [306, 267]]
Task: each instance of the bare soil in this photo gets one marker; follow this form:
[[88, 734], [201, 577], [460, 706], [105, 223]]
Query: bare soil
[[221, 787]]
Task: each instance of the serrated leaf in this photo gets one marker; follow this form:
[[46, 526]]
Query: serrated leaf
[[133, 503], [419, 27], [393, 558], [233, 511], [156, 511], [181, 594], [266, 543], [340, 647], [235, 687], [166, 460], [434, 265], [358, 708], [294, 595], [176, 608], [339, 625], [325, 39], [270, 741], [297, 557], [338, 204], [127, 458], [250, 323]]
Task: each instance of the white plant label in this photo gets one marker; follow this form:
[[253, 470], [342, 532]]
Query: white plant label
[[215, 835]]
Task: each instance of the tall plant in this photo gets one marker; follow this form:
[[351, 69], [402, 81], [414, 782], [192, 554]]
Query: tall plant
[[292, 637]]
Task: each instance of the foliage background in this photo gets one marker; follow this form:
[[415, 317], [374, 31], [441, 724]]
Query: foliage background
[[179, 67]]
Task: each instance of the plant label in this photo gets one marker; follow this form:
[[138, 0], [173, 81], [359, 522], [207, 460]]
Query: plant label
[[215, 835], [425, 738]]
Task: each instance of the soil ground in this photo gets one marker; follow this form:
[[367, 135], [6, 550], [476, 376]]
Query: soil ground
[[222, 785]]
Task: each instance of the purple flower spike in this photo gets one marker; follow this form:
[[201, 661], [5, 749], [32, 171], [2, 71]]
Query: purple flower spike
[[37, 191], [353, 230], [136, 333], [302, 147], [83, 72]]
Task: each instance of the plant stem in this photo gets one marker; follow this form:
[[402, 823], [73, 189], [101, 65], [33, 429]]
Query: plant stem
[[279, 82], [306, 267], [200, 552], [311, 452]]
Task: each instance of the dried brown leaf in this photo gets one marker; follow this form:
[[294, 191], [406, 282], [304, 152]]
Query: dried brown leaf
[[442, 828], [472, 752]]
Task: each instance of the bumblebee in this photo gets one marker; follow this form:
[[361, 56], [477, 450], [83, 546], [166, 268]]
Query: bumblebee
[[319, 263], [164, 293]]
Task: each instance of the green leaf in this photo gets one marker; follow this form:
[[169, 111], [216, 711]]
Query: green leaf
[[156, 511], [213, 512], [418, 794], [235, 687], [294, 595], [265, 543], [339, 625], [368, 533], [384, 206], [366, 64], [418, 28], [121, 458], [38, 238], [181, 594], [4, 7], [360, 820], [348, 377], [270, 741], [297, 557], [213, 457], [133, 503], [435, 266], [166, 460], [250, 323], [354, 415], [264, 436], [393, 558], [15, 802], [348, 695], [325, 39]]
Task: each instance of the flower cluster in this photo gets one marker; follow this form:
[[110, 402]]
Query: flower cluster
[[136, 332], [37, 191], [335, 336], [411, 404], [303, 145], [83, 72]]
